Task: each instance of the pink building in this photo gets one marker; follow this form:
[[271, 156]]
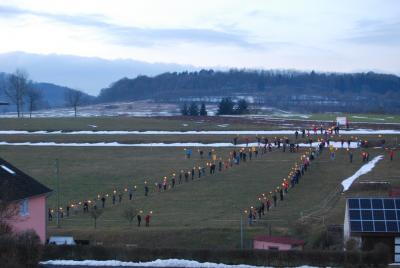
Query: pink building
[[28, 196], [277, 243]]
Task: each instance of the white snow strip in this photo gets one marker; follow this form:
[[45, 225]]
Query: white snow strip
[[176, 144], [363, 170], [156, 263], [210, 132]]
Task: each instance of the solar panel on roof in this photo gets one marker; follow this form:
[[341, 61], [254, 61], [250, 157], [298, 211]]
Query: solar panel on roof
[[391, 226], [365, 203], [355, 226], [355, 214], [380, 226], [377, 204], [388, 203], [374, 214], [354, 203], [378, 215], [390, 215]]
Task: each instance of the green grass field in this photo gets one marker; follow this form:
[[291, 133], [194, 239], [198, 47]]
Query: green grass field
[[184, 123], [130, 123], [366, 118], [203, 213]]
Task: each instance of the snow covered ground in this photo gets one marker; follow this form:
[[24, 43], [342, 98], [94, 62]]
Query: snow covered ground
[[176, 144], [210, 132], [156, 263], [363, 170]]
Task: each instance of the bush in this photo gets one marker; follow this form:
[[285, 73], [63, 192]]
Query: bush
[[8, 252], [5, 228], [20, 250], [29, 248], [351, 245], [381, 253]]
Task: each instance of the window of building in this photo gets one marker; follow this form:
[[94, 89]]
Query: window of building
[[24, 207]]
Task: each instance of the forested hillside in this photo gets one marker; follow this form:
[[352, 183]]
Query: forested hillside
[[362, 92]]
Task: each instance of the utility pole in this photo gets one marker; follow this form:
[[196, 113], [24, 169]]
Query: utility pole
[[58, 192], [241, 230]]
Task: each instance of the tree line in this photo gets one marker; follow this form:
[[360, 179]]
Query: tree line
[[291, 90], [225, 107], [194, 110], [220, 83]]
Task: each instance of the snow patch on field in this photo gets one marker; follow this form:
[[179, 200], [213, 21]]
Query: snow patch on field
[[363, 170], [156, 263], [192, 132], [176, 144]]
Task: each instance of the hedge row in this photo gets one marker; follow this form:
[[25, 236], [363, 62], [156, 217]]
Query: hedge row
[[251, 257]]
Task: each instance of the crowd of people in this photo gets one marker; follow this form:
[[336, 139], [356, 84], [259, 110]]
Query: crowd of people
[[213, 163]]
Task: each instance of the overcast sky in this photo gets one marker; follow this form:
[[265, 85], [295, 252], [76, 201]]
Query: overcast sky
[[321, 35]]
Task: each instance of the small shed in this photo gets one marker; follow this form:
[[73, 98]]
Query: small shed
[[27, 198], [268, 242], [394, 192], [341, 121], [373, 220]]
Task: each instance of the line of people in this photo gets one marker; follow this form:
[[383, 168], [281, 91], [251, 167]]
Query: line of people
[[269, 200]]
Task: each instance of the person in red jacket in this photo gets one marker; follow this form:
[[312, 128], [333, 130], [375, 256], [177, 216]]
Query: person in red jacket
[[391, 154], [147, 220]]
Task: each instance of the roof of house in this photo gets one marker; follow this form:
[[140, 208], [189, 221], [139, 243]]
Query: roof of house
[[279, 239], [394, 192], [18, 185]]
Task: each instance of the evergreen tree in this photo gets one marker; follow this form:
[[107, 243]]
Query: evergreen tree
[[225, 106], [242, 107], [184, 110], [193, 109], [203, 111]]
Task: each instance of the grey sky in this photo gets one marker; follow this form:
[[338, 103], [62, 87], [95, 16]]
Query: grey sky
[[321, 35]]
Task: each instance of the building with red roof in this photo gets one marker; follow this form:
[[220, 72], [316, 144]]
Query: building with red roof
[[268, 242]]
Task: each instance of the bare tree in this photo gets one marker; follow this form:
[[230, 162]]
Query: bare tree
[[8, 209], [33, 97], [95, 214], [74, 98], [129, 213], [17, 88]]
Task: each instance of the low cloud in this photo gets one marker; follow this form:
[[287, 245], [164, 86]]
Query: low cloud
[[135, 36], [375, 32]]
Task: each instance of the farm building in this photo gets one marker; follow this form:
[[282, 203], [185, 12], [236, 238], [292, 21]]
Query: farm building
[[277, 243], [26, 199], [371, 221]]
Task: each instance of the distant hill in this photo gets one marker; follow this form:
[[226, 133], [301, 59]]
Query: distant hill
[[52, 95], [86, 73], [307, 91]]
